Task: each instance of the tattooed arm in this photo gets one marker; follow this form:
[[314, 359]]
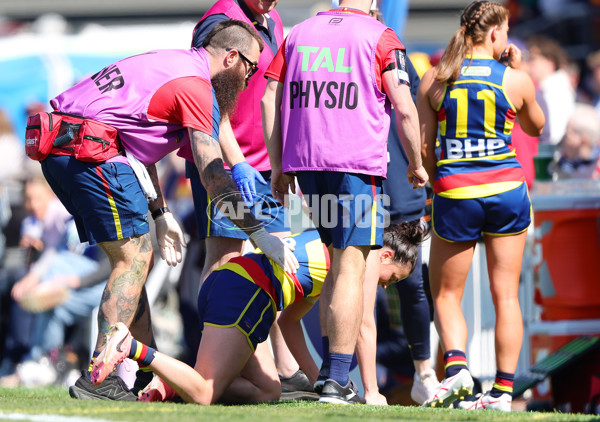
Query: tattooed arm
[[219, 185], [226, 196]]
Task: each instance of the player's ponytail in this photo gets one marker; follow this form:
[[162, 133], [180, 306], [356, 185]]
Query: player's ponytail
[[475, 22], [404, 239]]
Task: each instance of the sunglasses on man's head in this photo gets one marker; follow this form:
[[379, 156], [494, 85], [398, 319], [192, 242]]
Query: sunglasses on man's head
[[253, 66]]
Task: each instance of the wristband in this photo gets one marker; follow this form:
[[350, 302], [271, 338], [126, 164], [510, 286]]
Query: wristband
[[160, 211]]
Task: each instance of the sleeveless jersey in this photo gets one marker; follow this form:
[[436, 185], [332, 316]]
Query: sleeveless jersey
[[476, 119], [334, 117], [246, 120], [119, 95], [283, 287]]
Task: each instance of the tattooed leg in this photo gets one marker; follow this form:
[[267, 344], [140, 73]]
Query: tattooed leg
[[141, 326], [131, 261]]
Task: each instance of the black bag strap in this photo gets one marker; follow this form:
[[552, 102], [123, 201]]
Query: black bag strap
[[69, 114]]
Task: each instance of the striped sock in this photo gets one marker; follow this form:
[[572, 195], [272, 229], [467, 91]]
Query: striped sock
[[454, 361], [340, 367], [94, 356], [141, 353], [502, 384]]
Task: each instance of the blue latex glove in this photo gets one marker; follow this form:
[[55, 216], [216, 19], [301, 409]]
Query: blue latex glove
[[244, 176]]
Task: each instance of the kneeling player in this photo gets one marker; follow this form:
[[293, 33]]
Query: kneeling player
[[237, 305]]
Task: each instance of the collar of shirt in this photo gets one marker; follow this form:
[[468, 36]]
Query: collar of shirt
[[250, 16], [348, 10], [262, 29]]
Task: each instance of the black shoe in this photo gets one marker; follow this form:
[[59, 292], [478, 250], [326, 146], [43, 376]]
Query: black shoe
[[297, 387], [112, 388], [323, 376], [334, 393], [142, 379]]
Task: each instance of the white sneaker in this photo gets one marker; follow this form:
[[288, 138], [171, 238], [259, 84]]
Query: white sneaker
[[424, 386], [485, 401], [450, 389], [37, 373]]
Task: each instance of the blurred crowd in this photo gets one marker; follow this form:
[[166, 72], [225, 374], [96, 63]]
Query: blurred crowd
[[50, 283]]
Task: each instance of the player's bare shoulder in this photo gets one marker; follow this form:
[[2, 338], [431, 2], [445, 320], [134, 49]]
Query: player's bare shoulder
[[518, 85], [432, 89]]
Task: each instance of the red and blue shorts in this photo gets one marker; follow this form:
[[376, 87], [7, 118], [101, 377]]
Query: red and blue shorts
[[106, 200]]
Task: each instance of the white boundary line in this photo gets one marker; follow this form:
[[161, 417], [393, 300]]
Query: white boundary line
[[47, 418]]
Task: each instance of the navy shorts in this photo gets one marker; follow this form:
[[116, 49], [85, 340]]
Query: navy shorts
[[228, 299], [106, 200], [346, 208], [458, 220], [214, 223]]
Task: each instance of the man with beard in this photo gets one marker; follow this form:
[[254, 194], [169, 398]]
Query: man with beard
[[157, 101], [245, 153], [241, 135]]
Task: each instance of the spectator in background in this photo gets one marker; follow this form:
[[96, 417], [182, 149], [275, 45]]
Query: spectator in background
[[579, 150], [546, 64], [42, 231], [66, 284]]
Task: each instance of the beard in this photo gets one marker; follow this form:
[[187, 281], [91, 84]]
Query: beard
[[227, 85]]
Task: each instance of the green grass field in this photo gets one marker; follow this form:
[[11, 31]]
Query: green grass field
[[54, 404]]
